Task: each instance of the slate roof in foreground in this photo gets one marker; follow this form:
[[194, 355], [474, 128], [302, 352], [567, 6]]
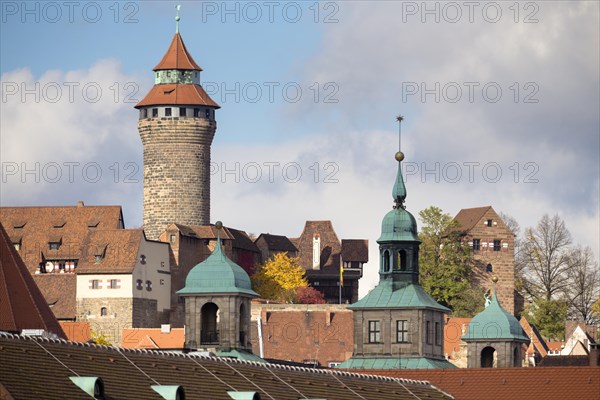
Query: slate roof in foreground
[[201, 377]]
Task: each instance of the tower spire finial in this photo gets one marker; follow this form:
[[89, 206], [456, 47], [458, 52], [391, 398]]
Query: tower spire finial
[[399, 191], [177, 18]]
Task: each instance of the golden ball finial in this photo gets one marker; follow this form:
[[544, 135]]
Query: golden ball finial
[[399, 156], [219, 225], [495, 279]]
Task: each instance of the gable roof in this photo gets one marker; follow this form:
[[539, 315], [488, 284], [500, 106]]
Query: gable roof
[[552, 383], [277, 242], [330, 245], [467, 218], [177, 57], [128, 374], [59, 291], [241, 240], [118, 249], [22, 305], [35, 226], [355, 250], [537, 341]]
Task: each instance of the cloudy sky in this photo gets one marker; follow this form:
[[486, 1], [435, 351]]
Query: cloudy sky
[[501, 101]]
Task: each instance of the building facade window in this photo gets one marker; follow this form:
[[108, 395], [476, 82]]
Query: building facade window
[[168, 111], [489, 268], [149, 286], [155, 112], [139, 285], [428, 332], [113, 284], [438, 334], [402, 331], [476, 244], [53, 245], [103, 312], [489, 223], [196, 112], [98, 259], [497, 245], [182, 111], [162, 281], [207, 113], [95, 284], [374, 332]]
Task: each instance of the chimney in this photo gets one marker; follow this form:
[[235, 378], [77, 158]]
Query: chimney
[[80, 203], [316, 263], [595, 355]]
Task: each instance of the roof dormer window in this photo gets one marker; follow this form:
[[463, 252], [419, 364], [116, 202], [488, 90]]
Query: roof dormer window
[[59, 224], [19, 224]]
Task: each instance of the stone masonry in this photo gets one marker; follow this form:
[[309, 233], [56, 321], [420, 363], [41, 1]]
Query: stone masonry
[[176, 171], [490, 262]]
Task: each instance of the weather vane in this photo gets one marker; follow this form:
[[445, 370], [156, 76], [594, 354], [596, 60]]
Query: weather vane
[[399, 154], [177, 7]]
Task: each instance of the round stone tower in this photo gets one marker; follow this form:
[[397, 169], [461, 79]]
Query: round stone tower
[[177, 125]]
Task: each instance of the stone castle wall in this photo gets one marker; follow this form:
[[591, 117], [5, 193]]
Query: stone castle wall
[[121, 313], [502, 262], [176, 172]]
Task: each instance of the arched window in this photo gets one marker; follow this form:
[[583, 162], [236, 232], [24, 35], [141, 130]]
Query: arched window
[[243, 337], [103, 312], [489, 268], [488, 357], [402, 260], [209, 333], [386, 261], [516, 357]]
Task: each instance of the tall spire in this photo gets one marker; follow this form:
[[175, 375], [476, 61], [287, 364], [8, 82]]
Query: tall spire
[[177, 7], [399, 191]]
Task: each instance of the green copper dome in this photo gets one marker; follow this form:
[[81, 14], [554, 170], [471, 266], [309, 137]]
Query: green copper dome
[[398, 225], [495, 323], [217, 274]]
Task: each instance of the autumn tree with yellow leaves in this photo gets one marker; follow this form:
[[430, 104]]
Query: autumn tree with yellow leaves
[[279, 278]]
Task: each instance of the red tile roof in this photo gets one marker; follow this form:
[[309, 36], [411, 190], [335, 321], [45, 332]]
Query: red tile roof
[[35, 226], [454, 329], [22, 305], [355, 250], [537, 341], [76, 331], [177, 57], [152, 338], [330, 246], [59, 290], [467, 218], [118, 248], [551, 383], [177, 94]]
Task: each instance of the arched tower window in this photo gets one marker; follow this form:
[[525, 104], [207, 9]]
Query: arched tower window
[[103, 312], [209, 333], [516, 357], [488, 355], [402, 260], [386, 261], [243, 325]]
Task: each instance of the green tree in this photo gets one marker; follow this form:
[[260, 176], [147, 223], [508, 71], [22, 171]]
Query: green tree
[[98, 337], [279, 278], [549, 317], [446, 263]]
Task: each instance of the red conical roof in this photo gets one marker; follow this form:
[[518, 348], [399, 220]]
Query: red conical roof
[[177, 57], [22, 305]]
